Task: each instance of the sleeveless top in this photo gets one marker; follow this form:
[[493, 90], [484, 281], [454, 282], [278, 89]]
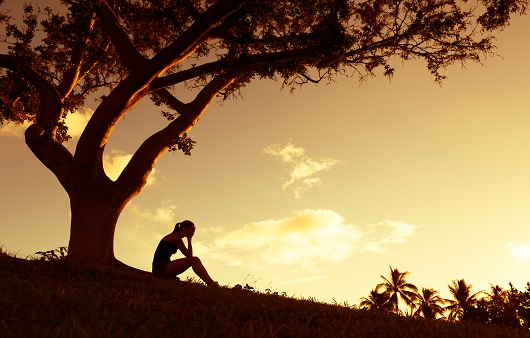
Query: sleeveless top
[[164, 250]]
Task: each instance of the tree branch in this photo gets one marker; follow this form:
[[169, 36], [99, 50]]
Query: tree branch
[[40, 137], [187, 42], [71, 75], [90, 147], [170, 100], [181, 48], [127, 51], [49, 112], [51, 153], [134, 176], [226, 64]]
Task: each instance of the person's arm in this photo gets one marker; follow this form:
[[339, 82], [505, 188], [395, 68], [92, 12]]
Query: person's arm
[[190, 247], [187, 252]]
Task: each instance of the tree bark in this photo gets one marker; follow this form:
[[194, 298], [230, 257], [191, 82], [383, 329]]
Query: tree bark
[[95, 211]]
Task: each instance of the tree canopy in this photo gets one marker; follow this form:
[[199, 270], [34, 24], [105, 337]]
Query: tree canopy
[[92, 44], [55, 58]]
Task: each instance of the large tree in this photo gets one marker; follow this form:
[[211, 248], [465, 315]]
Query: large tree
[[133, 50]]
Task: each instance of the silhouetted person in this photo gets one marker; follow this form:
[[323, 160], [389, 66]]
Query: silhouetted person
[[163, 266]]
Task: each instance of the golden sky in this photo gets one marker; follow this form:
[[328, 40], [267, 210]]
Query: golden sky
[[318, 192]]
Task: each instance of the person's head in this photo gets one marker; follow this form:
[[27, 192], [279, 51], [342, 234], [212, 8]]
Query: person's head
[[183, 226]]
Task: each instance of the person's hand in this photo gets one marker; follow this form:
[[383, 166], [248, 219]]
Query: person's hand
[[190, 233]]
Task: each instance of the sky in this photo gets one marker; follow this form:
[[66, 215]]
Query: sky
[[316, 193]]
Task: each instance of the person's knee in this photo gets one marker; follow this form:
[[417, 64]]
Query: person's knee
[[195, 259]]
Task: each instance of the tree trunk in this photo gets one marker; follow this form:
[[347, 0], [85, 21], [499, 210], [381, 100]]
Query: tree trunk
[[93, 223]]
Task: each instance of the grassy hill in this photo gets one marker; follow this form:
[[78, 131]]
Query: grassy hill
[[61, 299]]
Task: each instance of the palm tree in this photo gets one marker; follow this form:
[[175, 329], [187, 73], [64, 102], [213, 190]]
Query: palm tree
[[502, 306], [498, 294], [398, 288], [463, 299], [429, 304], [377, 300]]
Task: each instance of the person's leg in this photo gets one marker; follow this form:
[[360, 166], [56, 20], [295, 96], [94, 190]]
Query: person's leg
[[178, 266], [200, 270]]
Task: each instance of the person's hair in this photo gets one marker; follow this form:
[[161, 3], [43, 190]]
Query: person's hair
[[181, 225]]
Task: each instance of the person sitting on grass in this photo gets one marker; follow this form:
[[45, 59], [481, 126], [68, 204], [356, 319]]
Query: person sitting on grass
[[163, 266]]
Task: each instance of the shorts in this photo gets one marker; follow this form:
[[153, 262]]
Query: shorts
[[159, 268]]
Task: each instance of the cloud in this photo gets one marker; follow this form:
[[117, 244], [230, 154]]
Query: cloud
[[308, 236], [303, 169], [303, 240], [377, 236], [77, 121], [164, 214], [520, 251], [14, 130], [116, 161]]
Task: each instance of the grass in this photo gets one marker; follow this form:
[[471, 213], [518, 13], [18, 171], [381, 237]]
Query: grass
[[61, 299]]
